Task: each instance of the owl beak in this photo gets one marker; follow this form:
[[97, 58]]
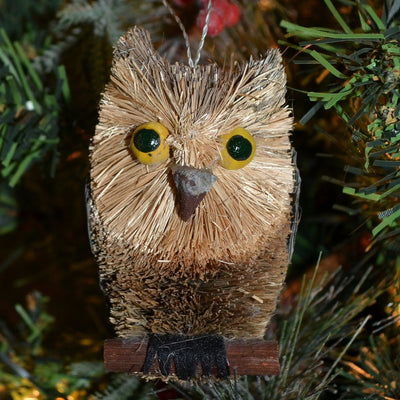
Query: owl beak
[[192, 185]]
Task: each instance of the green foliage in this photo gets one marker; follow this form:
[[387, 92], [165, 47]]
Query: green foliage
[[364, 92], [33, 81], [122, 387], [321, 332], [26, 368], [103, 16], [376, 372], [110, 18], [8, 209], [28, 114], [315, 333], [25, 18], [314, 336]]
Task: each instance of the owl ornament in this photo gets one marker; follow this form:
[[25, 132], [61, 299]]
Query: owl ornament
[[191, 194]]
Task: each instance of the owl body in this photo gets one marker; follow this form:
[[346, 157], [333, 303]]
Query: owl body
[[219, 269]]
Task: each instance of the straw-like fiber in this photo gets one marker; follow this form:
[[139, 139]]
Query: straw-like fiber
[[222, 270]]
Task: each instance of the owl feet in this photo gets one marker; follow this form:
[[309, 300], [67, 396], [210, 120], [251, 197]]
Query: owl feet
[[187, 353]]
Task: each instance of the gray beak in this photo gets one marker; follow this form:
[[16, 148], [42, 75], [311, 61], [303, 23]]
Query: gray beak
[[192, 185]]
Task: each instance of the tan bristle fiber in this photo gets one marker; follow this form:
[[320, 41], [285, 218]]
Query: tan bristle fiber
[[222, 270]]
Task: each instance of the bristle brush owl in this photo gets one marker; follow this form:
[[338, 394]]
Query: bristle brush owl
[[191, 186]]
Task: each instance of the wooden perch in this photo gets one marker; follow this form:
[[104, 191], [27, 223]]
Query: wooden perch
[[255, 357]]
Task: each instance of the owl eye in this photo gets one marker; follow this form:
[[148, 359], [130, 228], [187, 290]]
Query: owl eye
[[148, 143], [238, 149]]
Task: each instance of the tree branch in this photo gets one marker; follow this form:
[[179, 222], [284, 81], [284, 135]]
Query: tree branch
[[252, 357]]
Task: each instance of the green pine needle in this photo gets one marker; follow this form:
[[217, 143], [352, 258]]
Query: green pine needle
[[338, 17], [29, 113], [363, 86]]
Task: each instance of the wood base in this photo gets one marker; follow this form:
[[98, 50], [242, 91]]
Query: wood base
[[251, 357]]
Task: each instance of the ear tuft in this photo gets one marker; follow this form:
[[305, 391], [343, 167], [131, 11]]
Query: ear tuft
[[136, 45]]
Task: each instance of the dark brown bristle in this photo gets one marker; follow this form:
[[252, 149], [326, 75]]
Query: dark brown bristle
[[221, 270]]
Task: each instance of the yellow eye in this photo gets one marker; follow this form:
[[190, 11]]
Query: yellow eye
[[148, 143], [238, 149]]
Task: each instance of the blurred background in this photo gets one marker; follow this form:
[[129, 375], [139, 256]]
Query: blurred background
[[337, 324]]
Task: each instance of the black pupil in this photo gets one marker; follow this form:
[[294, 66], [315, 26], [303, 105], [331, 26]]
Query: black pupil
[[146, 140], [239, 148]]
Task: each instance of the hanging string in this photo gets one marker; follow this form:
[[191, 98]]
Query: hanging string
[[185, 35], [204, 34]]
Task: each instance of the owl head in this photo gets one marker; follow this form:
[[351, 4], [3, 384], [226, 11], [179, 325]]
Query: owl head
[[191, 166]]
